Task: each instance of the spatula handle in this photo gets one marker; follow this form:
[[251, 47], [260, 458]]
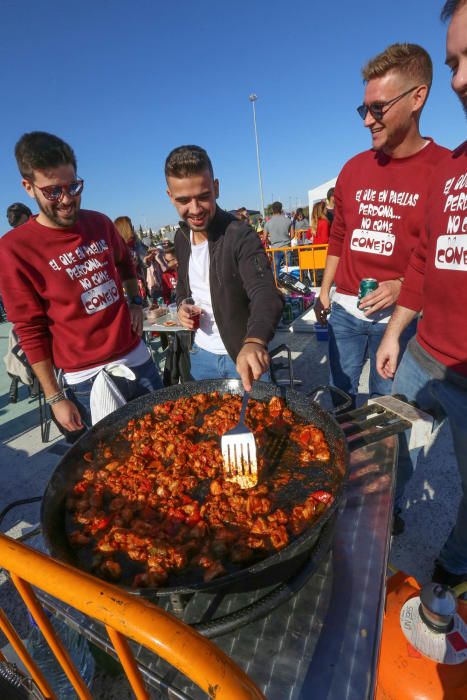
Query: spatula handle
[[246, 398]]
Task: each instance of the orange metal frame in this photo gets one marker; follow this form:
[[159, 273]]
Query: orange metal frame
[[310, 257], [125, 617]]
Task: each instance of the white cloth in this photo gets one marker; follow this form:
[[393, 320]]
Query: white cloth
[[135, 358], [105, 396], [207, 336], [349, 302]]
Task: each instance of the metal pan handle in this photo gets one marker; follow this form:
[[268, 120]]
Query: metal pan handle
[[332, 390], [276, 351], [15, 504]]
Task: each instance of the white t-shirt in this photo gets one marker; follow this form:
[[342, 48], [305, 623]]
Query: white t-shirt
[[135, 358], [349, 302], [207, 336]]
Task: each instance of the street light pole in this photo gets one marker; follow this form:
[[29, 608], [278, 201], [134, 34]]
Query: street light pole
[[253, 99]]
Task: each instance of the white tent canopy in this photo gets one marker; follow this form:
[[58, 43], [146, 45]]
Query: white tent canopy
[[320, 192]]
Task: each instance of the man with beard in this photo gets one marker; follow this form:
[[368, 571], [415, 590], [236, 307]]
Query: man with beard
[[223, 267], [433, 370], [380, 196], [61, 281]]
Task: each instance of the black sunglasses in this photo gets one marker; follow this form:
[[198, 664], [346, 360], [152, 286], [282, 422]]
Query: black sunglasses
[[376, 108], [54, 193]]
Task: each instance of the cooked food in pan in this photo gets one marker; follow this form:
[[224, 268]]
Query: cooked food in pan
[[153, 506]]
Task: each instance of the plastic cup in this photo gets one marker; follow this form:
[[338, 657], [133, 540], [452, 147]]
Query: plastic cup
[[194, 311], [195, 315]]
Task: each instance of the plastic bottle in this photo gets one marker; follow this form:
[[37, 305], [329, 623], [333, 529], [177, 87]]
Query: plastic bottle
[[78, 649]]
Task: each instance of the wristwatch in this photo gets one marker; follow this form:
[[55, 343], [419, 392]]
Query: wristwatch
[[137, 300]]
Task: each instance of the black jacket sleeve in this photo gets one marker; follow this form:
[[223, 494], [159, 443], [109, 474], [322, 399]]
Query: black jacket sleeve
[[266, 301]]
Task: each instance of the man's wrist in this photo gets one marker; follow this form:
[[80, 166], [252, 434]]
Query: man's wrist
[[255, 341], [55, 398]]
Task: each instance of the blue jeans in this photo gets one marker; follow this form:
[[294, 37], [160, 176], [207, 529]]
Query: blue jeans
[[444, 400], [280, 257], [207, 365], [147, 380], [351, 341]]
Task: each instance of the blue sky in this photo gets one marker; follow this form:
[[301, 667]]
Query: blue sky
[[125, 81]]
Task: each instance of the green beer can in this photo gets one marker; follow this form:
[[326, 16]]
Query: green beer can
[[367, 285]]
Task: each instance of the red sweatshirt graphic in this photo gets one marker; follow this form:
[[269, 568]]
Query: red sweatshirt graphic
[[436, 278], [64, 294], [378, 214]]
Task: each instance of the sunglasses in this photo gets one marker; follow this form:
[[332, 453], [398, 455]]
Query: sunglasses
[[54, 193], [379, 109]]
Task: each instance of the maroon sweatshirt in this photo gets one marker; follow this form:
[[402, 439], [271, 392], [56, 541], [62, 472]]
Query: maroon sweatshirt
[[378, 214], [436, 278], [62, 290]]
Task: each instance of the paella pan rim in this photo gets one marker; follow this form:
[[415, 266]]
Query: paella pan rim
[[65, 474]]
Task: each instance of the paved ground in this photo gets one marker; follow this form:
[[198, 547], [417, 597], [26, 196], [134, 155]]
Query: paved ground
[[26, 464]]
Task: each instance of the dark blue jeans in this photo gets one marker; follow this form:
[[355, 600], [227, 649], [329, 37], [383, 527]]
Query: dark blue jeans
[[442, 399], [351, 341], [147, 380]]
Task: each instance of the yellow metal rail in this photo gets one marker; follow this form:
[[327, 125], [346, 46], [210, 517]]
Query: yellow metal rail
[[125, 617]]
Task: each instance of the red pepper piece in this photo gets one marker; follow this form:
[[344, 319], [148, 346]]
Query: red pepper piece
[[100, 524], [323, 497]]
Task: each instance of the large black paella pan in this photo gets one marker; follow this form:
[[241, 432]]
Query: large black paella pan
[[330, 476]]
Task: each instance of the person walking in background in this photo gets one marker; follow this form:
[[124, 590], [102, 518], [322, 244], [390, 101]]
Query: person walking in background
[[380, 197], [330, 200], [138, 250], [242, 214], [61, 281], [223, 267], [18, 214], [262, 235], [300, 226], [319, 225], [278, 230], [170, 275], [433, 370], [155, 266]]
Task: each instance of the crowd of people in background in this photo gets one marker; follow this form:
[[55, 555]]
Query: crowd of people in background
[[302, 228]]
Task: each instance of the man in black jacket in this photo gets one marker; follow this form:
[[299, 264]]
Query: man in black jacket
[[223, 267]]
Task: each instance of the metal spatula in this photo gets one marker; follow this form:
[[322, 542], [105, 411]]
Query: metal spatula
[[239, 452]]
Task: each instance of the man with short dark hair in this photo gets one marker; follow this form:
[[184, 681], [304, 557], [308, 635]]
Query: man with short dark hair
[[223, 267], [380, 197], [61, 281], [278, 230], [18, 214], [433, 370]]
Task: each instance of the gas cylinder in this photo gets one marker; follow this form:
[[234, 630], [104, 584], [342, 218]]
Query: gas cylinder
[[423, 653]]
